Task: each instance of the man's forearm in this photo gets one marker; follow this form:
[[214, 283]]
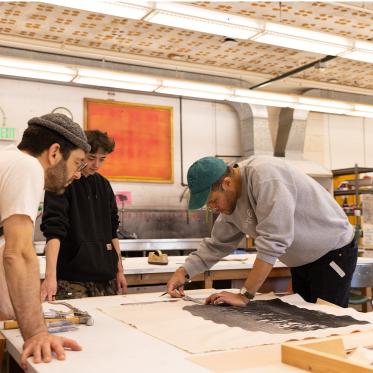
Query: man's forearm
[[23, 281], [51, 255], [257, 275]]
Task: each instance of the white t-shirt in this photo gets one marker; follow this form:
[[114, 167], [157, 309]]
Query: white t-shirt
[[21, 183], [21, 190]]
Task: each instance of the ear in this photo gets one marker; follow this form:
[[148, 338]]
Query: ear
[[227, 183], [54, 154]]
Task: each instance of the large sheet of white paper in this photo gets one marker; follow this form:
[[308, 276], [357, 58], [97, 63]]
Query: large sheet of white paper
[[198, 329]]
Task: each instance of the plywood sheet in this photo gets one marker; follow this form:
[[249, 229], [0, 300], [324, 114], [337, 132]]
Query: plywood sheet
[[197, 328]]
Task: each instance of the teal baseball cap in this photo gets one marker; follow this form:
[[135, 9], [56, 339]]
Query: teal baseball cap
[[202, 174]]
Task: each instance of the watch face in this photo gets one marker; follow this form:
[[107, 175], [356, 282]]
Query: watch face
[[63, 110]]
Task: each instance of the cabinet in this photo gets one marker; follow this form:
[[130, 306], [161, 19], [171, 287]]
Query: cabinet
[[349, 186]]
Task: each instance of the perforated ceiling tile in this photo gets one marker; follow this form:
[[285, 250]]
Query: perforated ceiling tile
[[65, 26]]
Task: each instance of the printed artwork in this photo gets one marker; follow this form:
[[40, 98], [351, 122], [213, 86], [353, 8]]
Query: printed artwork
[[200, 328], [271, 316], [143, 139]]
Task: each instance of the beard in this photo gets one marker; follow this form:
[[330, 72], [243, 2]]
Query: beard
[[56, 178], [231, 202]]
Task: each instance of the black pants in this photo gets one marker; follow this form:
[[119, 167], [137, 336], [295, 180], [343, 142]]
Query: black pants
[[319, 280]]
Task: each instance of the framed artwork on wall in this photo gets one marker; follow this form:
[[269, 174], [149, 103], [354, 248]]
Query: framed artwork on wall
[[143, 136]]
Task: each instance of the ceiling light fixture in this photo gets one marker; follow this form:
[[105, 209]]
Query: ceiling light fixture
[[362, 51], [195, 18], [204, 20], [132, 10], [131, 81], [105, 78], [36, 70]]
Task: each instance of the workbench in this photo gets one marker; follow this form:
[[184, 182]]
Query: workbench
[[144, 245], [234, 267], [139, 272], [115, 347]]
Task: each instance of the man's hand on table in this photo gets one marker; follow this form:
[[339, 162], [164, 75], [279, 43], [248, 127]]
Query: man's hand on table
[[41, 346], [48, 289], [175, 285], [227, 297]]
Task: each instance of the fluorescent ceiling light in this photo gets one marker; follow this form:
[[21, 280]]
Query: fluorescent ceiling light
[[194, 18], [366, 114], [191, 93], [203, 20], [201, 25], [265, 95], [320, 109], [365, 108], [314, 101], [302, 39], [36, 70], [257, 101], [136, 10], [115, 84], [362, 51], [104, 78], [204, 87], [212, 15], [118, 76], [129, 81]]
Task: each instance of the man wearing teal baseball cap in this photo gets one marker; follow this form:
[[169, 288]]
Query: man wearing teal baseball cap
[[291, 217]]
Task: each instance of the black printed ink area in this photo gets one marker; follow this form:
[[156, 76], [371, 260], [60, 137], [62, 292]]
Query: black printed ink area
[[271, 316]]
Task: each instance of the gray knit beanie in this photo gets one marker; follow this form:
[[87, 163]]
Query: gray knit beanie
[[62, 124]]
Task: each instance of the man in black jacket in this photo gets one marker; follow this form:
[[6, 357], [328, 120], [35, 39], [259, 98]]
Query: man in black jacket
[[82, 253]]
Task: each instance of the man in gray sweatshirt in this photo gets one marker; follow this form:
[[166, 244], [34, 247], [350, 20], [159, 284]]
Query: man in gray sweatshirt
[[291, 217]]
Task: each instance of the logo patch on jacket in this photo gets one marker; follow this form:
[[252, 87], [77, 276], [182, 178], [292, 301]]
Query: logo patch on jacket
[[108, 246]]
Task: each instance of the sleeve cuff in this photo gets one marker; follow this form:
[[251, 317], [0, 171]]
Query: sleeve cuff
[[266, 258]]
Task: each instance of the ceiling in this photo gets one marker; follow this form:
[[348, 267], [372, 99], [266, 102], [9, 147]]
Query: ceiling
[[39, 26]]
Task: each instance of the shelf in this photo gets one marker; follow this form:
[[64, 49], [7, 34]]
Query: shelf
[[352, 192], [351, 171]]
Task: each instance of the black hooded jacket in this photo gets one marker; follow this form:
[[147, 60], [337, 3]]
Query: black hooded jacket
[[85, 220]]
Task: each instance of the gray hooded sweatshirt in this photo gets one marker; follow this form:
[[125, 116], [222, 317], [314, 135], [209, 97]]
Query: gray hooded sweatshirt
[[291, 217]]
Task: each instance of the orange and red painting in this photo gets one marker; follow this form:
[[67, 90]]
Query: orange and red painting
[[143, 138]]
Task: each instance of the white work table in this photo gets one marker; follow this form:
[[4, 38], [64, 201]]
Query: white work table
[[112, 346], [143, 245], [233, 267]]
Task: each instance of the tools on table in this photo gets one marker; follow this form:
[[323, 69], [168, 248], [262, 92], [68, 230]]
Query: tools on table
[[83, 316], [58, 321]]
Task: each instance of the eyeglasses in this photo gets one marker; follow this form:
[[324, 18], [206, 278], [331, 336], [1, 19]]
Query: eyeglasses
[[81, 167], [212, 206]]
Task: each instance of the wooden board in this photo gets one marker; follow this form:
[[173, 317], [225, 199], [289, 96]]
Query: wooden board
[[321, 356]]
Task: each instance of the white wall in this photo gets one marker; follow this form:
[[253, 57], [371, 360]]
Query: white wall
[[334, 141], [339, 141], [208, 129]]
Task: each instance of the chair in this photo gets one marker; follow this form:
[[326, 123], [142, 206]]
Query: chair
[[362, 279]]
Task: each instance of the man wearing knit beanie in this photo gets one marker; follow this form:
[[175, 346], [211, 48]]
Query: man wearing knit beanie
[[50, 156]]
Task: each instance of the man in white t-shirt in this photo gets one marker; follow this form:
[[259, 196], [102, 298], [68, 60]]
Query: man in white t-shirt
[[50, 156]]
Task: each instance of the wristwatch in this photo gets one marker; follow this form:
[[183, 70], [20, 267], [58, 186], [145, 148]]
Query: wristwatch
[[246, 293], [187, 277]]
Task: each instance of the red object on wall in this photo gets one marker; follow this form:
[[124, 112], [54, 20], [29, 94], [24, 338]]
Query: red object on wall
[[143, 137]]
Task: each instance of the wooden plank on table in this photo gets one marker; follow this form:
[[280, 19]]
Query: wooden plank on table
[[325, 355]]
